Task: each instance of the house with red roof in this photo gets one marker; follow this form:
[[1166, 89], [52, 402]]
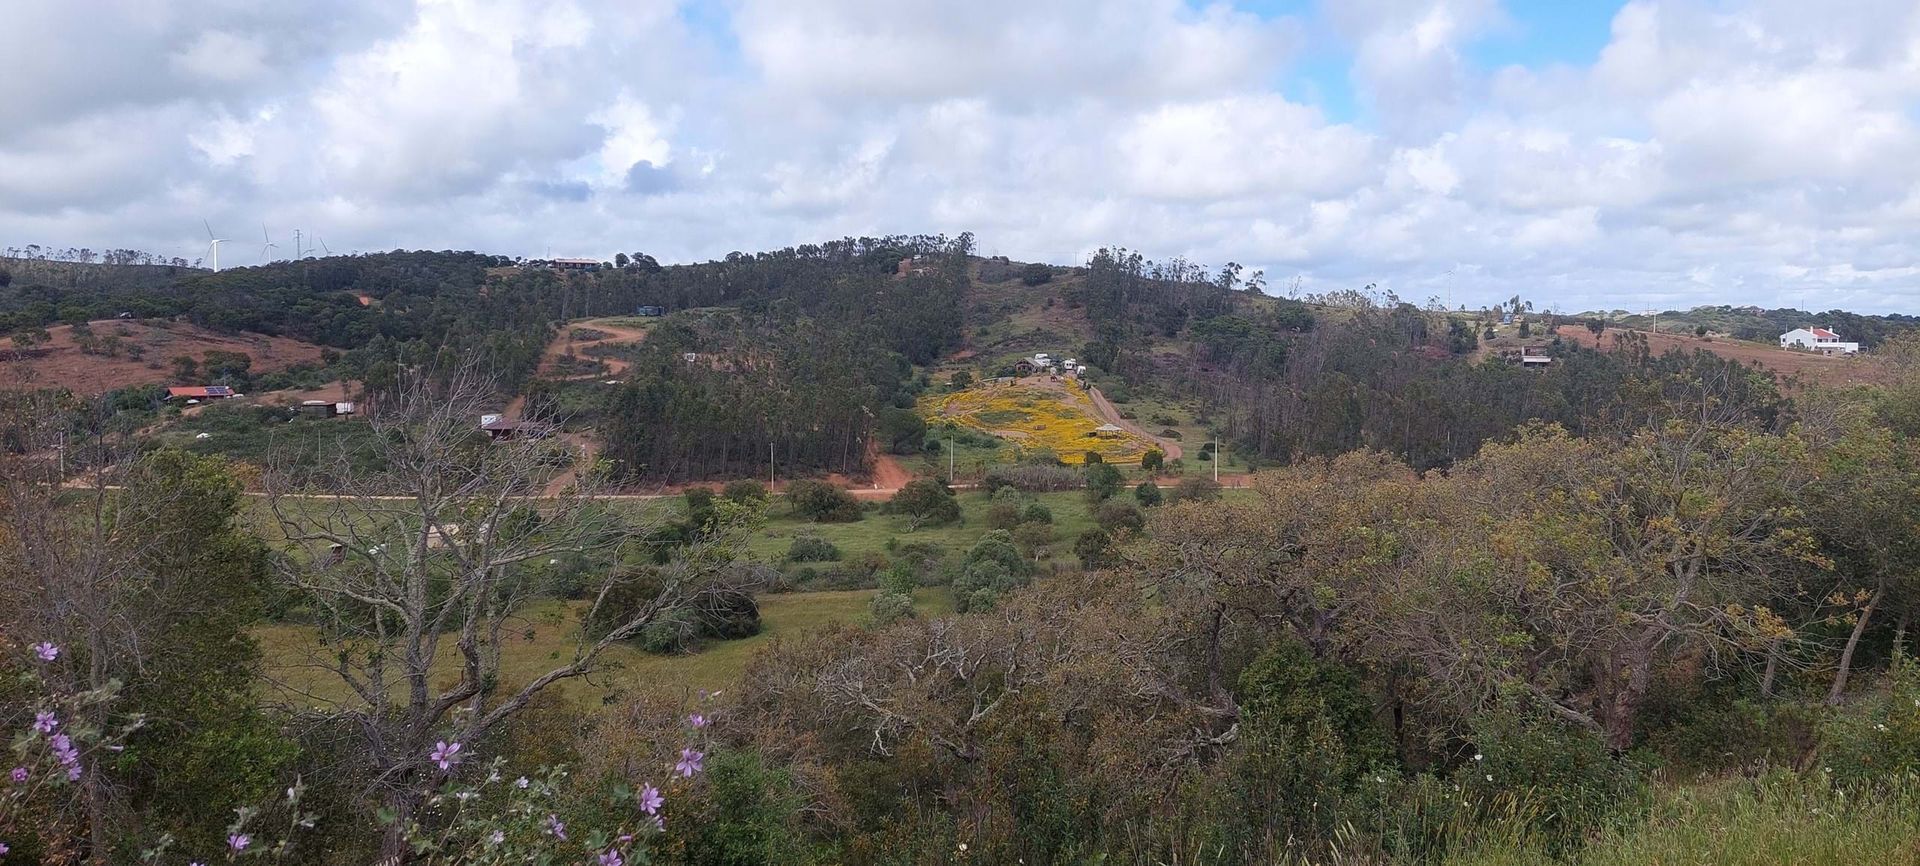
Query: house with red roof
[[1826, 341]]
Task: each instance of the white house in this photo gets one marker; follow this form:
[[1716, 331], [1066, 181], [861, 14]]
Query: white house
[[1821, 340]]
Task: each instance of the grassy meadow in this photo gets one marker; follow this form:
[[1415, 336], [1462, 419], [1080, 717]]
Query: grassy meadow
[[548, 636]]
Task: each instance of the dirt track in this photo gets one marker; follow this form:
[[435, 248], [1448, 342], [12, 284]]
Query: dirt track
[[1112, 416], [616, 335], [563, 344]]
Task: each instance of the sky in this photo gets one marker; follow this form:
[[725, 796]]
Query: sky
[[1580, 154]]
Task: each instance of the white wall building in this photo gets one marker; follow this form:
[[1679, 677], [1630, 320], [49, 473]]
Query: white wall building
[[1821, 340]]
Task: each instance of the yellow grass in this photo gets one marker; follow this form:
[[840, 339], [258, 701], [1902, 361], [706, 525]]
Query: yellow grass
[[1056, 417]]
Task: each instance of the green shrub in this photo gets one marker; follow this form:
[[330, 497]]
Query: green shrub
[[1878, 736], [1116, 517], [812, 548], [1036, 513], [822, 502], [890, 607], [1103, 481], [745, 492], [1095, 549], [1148, 494], [925, 502], [1567, 773], [1195, 489], [1003, 515], [748, 811]]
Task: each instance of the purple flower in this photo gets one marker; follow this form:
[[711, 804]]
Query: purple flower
[[612, 858], [520, 782], [46, 651], [445, 754], [239, 841], [44, 722], [650, 799], [67, 755], [556, 828], [18, 775], [697, 720], [689, 762], [3, 848]]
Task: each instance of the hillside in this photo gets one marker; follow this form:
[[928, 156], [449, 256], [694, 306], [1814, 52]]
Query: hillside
[[1812, 368], [112, 354]]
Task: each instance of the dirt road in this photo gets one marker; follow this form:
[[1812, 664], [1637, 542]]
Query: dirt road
[[1112, 416], [564, 344]]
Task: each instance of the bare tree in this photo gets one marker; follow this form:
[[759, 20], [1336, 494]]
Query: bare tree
[[445, 544]]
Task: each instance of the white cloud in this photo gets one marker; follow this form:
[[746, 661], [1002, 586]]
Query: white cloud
[[1716, 150]]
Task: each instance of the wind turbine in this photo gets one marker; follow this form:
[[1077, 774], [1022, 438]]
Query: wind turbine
[[323, 244], [266, 252], [213, 246]]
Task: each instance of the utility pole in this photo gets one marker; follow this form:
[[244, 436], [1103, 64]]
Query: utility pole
[[769, 465], [1216, 459], [949, 459]]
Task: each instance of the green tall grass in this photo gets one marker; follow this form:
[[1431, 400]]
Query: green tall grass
[[1779, 818]]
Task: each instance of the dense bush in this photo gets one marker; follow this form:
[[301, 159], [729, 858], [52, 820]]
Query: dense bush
[[1116, 517], [1878, 738], [745, 492], [925, 502], [812, 548], [1195, 489], [822, 502], [991, 568], [1032, 478], [1148, 494]]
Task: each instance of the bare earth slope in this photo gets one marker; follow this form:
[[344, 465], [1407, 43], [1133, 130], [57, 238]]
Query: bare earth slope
[[59, 362]]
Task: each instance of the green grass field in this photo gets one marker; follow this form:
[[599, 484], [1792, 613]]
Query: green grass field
[[1071, 516], [546, 639]]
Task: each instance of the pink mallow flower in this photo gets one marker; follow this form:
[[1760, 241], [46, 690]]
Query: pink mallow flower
[[697, 720], [44, 722], [46, 651], [612, 858], [239, 841], [555, 827], [445, 754], [18, 775], [689, 762], [650, 799]]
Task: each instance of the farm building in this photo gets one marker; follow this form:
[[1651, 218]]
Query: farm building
[[200, 392], [326, 408], [502, 429], [1822, 340], [574, 264]]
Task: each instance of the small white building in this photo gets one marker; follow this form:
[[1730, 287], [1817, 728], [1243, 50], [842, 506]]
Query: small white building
[[1822, 340]]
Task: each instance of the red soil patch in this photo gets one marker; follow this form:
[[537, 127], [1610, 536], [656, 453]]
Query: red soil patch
[[59, 363], [1826, 369]]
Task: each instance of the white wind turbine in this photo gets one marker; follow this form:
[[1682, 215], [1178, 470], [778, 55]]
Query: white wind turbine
[[213, 246], [266, 252]]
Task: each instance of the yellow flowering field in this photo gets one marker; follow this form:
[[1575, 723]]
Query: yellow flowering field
[[1055, 416]]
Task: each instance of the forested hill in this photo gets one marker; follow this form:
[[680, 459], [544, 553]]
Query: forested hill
[[812, 351]]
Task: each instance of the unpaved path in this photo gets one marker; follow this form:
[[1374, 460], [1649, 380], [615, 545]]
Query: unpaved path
[[1112, 416], [564, 344]]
